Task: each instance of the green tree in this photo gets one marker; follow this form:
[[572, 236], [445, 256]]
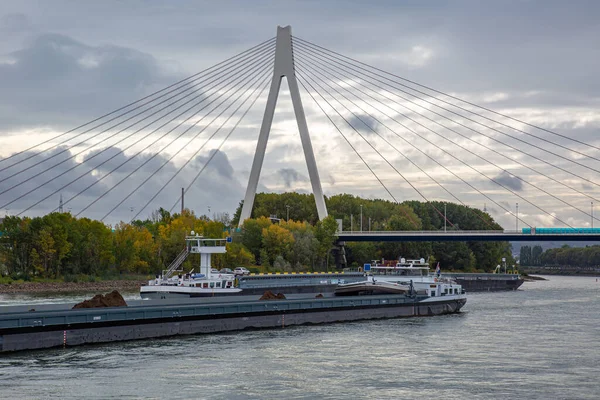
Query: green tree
[[325, 233], [252, 232], [525, 256], [536, 255], [277, 241], [47, 249]]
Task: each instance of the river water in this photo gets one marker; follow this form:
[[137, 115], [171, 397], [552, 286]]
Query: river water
[[540, 342]]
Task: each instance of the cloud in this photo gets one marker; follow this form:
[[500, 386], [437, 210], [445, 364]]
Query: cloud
[[364, 123], [57, 81], [59, 67], [509, 180], [291, 176], [95, 183], [14, 23], [416, 56], [219, 163]]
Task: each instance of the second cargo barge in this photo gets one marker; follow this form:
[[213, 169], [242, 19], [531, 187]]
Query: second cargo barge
[[38, 327]]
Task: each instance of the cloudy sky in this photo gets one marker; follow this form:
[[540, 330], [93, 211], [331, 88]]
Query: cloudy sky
[[64, 63]]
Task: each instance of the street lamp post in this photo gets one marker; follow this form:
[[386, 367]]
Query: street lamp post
[[361, 217], [592, 212], [350, 223], [517, 217], [369, 224]]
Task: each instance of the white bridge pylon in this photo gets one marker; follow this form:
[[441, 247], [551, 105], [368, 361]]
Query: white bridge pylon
[[283, 66]]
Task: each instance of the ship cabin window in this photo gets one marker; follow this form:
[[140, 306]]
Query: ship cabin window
[[205, 285], [212, 285], [432, 292], [218, 284]]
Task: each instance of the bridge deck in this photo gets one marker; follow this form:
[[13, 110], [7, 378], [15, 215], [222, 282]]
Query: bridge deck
[[440, 236]]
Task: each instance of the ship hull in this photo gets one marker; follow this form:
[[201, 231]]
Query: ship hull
[[45, 329]]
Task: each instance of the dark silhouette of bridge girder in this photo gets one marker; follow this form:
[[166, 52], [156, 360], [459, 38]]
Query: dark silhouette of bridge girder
[[463, 236]]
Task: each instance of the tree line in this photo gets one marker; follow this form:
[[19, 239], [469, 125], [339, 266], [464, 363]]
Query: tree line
[[530, 255], [357, 213], [59, 245], [588, 256], [284, 234]]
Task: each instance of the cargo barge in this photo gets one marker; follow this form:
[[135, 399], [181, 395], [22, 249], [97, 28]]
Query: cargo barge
[[327, 282], [474, 282], [47, 326]]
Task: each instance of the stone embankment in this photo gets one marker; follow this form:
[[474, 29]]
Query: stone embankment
[[56, 287]]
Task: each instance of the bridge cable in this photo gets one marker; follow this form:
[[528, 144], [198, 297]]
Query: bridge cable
[[424, 153], [166, 162], [357, 74], [266, 82], [375, 149], [115, 134], [140, 151], [221, 145], [491, 179], [498, 183], [128, 136], [546, 192], [323, 49], [184, 81], [156, 153], [391, 144], [301, 80]]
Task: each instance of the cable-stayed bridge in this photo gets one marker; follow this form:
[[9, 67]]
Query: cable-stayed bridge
[[394, 127]]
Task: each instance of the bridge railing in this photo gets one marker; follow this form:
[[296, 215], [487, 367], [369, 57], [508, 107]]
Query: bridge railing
[[453, 232], [460, 232]]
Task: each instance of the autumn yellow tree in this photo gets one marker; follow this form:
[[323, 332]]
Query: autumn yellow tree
[[277, 241], [134, 248]]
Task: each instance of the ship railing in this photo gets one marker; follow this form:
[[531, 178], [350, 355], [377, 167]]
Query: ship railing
[[181, 257]]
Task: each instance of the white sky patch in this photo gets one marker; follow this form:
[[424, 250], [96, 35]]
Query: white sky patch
[[416, 56], [89, 61], [494, 97]]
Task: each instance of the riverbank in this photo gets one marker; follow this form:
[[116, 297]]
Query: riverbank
[[563, 271], [69, 287]]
